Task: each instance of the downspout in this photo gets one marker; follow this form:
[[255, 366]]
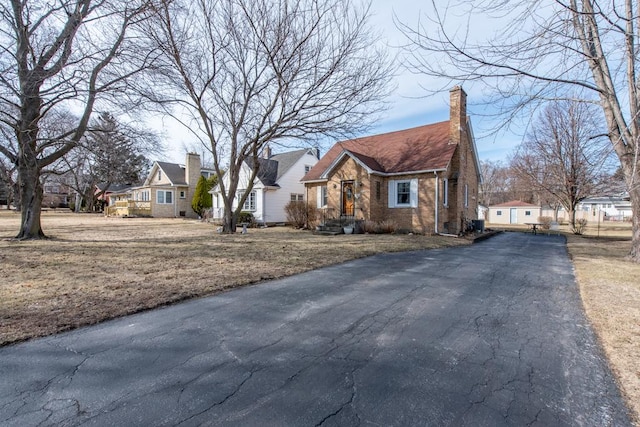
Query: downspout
[[437, 203], [264, 207], [175, 201]]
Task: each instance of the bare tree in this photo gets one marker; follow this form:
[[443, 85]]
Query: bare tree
[[252, 72], [546, 50], [565, 155], [111, 152], [490, 184], [58, 56]]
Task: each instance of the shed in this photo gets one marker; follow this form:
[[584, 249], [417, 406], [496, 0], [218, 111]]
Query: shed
[[513, 212]]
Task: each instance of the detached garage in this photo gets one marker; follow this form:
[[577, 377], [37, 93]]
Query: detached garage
[[513, 212]]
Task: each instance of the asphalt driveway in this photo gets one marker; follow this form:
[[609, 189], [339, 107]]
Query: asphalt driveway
[[487, 335]]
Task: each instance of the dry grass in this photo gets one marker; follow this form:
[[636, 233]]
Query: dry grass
[[610, 290], [93, 268]]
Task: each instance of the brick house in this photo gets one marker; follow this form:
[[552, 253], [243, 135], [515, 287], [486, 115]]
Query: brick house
[[166, 192], [425, 179]]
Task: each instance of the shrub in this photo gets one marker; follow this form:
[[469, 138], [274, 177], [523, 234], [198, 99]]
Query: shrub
[[369, 227], [579, 226], [299, 213], [202, 199], [245, 217], [545, 221], [387, 226]]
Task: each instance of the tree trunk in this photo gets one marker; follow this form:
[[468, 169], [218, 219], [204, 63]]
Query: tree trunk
[[634, 254], [229, 220], [30, 204], [572, 219]]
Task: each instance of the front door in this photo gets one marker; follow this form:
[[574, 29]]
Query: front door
[[513, 217], [347, 198]]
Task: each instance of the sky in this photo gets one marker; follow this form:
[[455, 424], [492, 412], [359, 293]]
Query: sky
[[409, 104]]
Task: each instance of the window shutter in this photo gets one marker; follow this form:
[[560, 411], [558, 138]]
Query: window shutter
[[319, 196], [392, 193], [414, 193]]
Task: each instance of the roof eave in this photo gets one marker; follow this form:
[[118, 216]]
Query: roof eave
[[417, 172], [338, 159]]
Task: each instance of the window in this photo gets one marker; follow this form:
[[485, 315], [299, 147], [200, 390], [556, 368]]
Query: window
[[142, 196], [307, 168], [445, 192], [322, 197], [164, 197], [403, 194], [297, 197], [527, 213], [183, 194], [466, 195], [499, 213], [377, 190], [250, 203], [159, 175]]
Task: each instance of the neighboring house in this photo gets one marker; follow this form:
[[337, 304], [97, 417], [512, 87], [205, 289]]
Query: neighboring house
[[424, 179], [513, 212], [166, 192], [55, 195], [103, 192], [277, 183], [615, 207]]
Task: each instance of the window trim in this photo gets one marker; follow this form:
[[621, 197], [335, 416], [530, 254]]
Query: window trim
[[466, 196], [252, 199], [393, 193], [183, 194], [164, 197], [445, 192], [404, 183], [322, 197]]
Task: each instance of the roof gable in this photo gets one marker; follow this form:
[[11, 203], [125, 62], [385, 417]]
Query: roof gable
[[273, 168], [424, 148], [174, 172]]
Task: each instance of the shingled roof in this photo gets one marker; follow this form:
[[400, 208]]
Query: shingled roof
[[272, 169], [174, 172], [515, 204], [420, 149]]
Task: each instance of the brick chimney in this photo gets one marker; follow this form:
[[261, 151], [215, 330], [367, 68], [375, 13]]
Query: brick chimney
[[192, 169], [457, 113]]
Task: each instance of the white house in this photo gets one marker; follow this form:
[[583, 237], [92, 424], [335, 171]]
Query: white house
[[616, 207], [277, 183], [513, 212]]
